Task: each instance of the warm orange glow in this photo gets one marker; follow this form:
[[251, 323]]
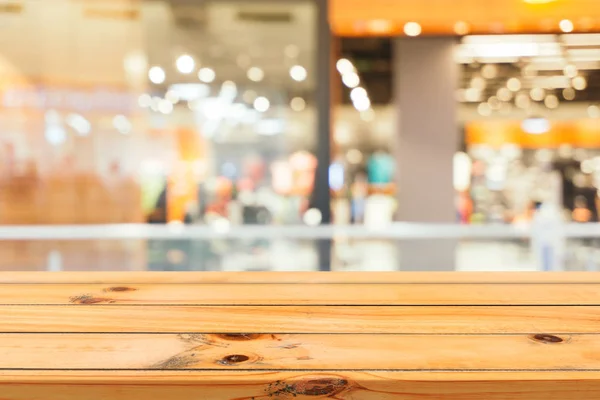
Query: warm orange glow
[[583, 133], [439, 17]]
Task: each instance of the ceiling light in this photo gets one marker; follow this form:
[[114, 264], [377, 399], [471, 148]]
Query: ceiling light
[[566, 26], [261, 104], [357, 93], [298, 73], [537, 94], [412, 29], [172, 96], [165, 106], [536, 126], [504, 94], [461, 28], [351, 80], [494, 103], [344, 66], [489, 71], [514, 84], [570, 71], [529, 71], [207, 75], [472, 95], [522, 101], [185, 64], [568, 94], [298, 104], [579, 82], [551, 101], [156, 75], [255, 74], [362, 103], [380, 26]]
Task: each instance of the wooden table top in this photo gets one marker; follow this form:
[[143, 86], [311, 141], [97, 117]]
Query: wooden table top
[[268, 336]]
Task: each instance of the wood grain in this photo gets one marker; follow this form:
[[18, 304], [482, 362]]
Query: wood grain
[[301, 352], [128, 277], [274, 385], [349, 336], [300, 319], [307, 294]]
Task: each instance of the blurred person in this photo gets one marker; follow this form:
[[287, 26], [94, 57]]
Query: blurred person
[[359, 193]]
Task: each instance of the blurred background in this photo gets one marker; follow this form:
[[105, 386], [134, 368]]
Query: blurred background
[[299, 135]]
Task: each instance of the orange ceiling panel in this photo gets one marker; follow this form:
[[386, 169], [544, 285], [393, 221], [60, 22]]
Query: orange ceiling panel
[[443, 17]]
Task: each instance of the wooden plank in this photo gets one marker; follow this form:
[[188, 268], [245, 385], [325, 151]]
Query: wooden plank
[[328, 352], [298, 277], [309, 294], [301, 319], [270, 385]]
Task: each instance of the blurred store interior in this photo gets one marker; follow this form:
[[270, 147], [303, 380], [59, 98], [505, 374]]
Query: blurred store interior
[[210, 113]]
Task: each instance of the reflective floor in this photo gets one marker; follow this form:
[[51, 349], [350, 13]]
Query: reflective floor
[[281, 255]]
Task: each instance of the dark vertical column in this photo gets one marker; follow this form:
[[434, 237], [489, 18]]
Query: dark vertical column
[[426, 77], [321, 195]]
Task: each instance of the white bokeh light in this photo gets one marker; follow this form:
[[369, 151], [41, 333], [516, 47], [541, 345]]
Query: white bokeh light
[[351, 79], [255, 74], [362, 103], [298, 73], [344, 66], [566, 26], [298, 104], [358, 93], [185, 64], [261, 104], [207, 75], [165, 106], [157, 75], [412, 29], [312, 217]]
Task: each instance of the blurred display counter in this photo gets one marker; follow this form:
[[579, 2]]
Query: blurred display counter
[[365, 336]]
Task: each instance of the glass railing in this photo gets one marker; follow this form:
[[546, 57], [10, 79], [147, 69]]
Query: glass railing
[[131, 247]]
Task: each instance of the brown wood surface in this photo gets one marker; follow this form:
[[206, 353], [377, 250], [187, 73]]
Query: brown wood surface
[[300, 319], [329, 352], [270, 385], [308, 336], [304, 294]]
